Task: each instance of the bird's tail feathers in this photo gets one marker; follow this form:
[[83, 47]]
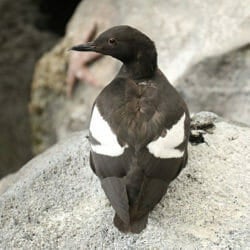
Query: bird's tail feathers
[[115, 190], [134, 226]]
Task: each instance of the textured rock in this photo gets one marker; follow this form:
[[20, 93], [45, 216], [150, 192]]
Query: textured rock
[[58, 203], [220, 84], [185, 32], [7, 181]]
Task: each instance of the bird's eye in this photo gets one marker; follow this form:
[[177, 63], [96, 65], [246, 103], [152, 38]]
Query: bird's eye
[[112, 41]]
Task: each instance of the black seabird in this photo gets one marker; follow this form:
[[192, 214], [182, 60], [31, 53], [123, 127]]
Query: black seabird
[[139, 128]]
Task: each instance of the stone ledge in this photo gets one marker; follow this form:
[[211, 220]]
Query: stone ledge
[[57, 202]]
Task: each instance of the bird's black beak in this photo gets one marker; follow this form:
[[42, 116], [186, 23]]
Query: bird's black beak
[[90, 46]]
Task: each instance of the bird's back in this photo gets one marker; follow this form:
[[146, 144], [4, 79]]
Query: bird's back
[[138, 132]]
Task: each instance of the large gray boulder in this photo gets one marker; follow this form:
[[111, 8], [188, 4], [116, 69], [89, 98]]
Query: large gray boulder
[[56, 201], [185, 33], [220, 84]]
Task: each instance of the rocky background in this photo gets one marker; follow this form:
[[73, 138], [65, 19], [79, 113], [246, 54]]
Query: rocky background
[[203, 49], [27, 32], [202, 46], [55, 201]]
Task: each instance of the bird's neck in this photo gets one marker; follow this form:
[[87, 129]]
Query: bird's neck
[[144, 66]]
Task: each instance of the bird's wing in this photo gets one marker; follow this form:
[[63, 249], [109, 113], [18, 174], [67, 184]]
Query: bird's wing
[[112, 172], [115, 189]]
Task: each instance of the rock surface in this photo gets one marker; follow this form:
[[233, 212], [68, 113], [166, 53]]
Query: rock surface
[[185, 32], [57, 202], [220, 84]]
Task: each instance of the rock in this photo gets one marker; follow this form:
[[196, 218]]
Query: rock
[[203, 120], [220, 84], [7, 181], [185, 32], [21, 46], [58, 202]]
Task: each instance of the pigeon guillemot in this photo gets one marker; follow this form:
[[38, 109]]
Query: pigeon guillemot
[[139, 128]]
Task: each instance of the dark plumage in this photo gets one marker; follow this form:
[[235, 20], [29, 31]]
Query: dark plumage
[[139, 128]]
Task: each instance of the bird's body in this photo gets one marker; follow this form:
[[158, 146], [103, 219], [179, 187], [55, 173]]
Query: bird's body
[[139, 130]]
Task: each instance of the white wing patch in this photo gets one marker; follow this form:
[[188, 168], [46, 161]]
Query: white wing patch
[[102, 132], [165, 147]]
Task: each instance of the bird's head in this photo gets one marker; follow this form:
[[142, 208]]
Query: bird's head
[[124, 43]]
